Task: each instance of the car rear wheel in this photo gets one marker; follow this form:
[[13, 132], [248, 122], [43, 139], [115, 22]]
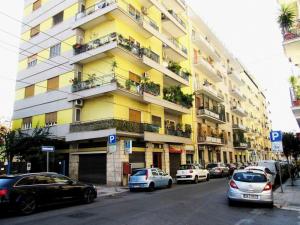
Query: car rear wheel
[[151, 187], [88, 196], [196, 180], [27, 205], [170, 184]]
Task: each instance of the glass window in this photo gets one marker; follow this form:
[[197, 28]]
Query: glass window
[[6, 181], [58, 18], [250, 177], [51, 119], [25, 181], [77, 114], [186, 167], [27, 123], [154, 172], [212, 165], [55, 50], [60, 179], [43, 180], [156, 121], [140, 173], [32, 61]]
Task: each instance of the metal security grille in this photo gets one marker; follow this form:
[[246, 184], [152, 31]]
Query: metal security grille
[[175, 161], [92, 168], [137, 160]]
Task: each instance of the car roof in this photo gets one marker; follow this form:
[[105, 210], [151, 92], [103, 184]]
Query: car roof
[[255, 167], [28, 174], [247, 171]]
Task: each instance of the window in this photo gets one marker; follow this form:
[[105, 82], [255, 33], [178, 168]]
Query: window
[[29, 91], [27, 123], [60, 179], [55, 50], [32, 61], [58, 18], [25, 181], [43, 180], [229, 136], [156, 121], [34, 31], [77, 114], [36, 5], [227, 117], [53, 83], [51, 119], [134, 116]]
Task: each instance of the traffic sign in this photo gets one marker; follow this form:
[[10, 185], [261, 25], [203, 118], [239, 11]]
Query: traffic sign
[[275, 136], [48, 148], [112, 139], [128, 146], [277, 146], [28, 166]]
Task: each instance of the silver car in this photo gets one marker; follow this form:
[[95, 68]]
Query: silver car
[[250, 186], [149, 178]]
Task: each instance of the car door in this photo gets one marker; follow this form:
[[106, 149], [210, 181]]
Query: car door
[[164, 180], [156, 178], [46, 189]]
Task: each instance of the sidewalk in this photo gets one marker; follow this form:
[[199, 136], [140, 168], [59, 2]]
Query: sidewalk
[[290, 198], [104, 190]]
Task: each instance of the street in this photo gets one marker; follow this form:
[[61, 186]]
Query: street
[[187, 204]]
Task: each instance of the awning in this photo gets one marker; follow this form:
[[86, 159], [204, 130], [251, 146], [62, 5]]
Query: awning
[[175, 149]]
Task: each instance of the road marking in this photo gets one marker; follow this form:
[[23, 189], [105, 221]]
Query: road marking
[[258, 211], [245, 222]]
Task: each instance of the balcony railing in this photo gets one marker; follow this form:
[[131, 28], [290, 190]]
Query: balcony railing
[[119, 125], [209, 89], [182, 72], [239, 126], [122, 83], [179, 132], [138, 17], [238, 144], [203, 61], [176, 17], [121, 41], [178, 45], [211, 113], [210, 139]]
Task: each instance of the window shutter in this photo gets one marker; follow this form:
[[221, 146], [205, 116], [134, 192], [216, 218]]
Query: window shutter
[[37, 4], [134, 116], [134, 77], [29, 91], [35, 31], [53, 83], [27, 123], [51, 119]]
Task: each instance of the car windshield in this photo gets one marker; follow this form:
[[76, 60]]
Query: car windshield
[[139, 173], [186, 167], [5, 181], [250, 177], [209, 166]]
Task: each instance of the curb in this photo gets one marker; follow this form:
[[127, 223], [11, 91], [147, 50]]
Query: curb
[[297, 209]]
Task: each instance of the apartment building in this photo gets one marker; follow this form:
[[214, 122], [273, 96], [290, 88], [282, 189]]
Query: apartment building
[[143, 70], [291, 45]]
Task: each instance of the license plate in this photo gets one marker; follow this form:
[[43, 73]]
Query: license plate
[[183, 176], [251, 196], [136, 186]]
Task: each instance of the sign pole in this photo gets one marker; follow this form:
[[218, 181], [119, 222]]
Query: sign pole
[[116, 190], [280, 178], [47, 162]]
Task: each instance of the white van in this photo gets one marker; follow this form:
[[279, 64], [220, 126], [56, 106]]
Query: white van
[[270, 164]]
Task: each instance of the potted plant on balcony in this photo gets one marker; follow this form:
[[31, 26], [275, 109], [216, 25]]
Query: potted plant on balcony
[[187, 130], [286, 18], [186, 74], [179, 130], [174, 67], [91, 80]]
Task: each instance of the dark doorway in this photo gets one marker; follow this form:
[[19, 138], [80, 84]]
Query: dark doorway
[[92, 168], [157, 160], [175, 161]]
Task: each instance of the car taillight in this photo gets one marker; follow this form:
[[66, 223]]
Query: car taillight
[[191, 171], [217, 169], [3, 192], [268, 187], [147, 175], [233, 184]]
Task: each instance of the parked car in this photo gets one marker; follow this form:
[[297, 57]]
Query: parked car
[[192, 172], [149, 179], [271, 165], [250, 186], [270, 175], [26, 192], [217, 170]]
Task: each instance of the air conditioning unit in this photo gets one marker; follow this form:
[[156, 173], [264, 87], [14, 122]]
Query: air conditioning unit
[[144, 10], [78, 103]]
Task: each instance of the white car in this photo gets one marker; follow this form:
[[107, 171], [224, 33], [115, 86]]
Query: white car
[[191, 172], [270, 175]]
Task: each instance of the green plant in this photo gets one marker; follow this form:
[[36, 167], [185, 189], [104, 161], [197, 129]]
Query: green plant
[[128, 84], [286, 18], [91, 79], [174, 67], [114, 65]]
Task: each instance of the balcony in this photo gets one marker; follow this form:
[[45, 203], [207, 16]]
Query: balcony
[[103, 128], [146, 3], [111, 9], [239, 111], [209, 70], [211, 116], [113, 44], [202, 43], [235, 77], [208, 140], [240, 145], [179, 6], [174, 50], [239, 127], [236, 92], [209, 91]]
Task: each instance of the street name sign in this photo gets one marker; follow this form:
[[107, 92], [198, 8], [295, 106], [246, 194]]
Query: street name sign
[[48, 148]]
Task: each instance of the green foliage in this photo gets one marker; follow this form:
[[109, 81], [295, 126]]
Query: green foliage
[[174, 94], [174, 67], [286, 18], [290, 145]]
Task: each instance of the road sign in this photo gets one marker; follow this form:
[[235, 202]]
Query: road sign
[[112, 139], [275, 136], [277, 146], [48, 148], [28, 166], [112, 143], [128, 146]]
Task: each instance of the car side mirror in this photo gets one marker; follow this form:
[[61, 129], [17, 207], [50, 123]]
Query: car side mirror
[[70, 182]]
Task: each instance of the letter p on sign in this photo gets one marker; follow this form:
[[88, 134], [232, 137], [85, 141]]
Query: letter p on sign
[[275, 136]]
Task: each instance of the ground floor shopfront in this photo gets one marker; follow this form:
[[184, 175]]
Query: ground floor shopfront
[[90, 162]]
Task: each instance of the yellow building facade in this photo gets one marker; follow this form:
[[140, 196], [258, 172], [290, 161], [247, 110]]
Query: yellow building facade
[[144, 71]]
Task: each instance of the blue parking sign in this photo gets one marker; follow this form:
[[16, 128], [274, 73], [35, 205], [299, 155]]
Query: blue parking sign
[[275, 136], [112, 139]]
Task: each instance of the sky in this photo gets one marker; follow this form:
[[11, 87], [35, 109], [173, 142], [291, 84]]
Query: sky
[[248, 28]]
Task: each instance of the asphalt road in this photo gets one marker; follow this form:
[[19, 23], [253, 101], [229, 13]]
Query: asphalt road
[[188, 204]]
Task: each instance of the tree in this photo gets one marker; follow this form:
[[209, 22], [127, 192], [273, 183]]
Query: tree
[[289, 143], [286, 18]]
